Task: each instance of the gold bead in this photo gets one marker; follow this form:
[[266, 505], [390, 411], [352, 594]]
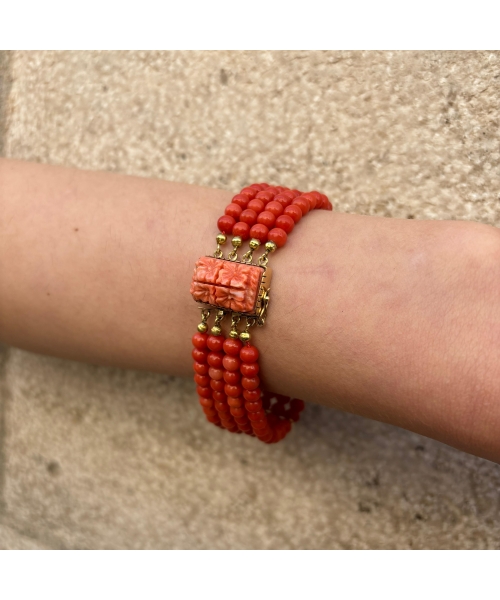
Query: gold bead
[[244, 336], [221, 238], [233, 334], [202, 327], [254, 244], [216, 330], [236, 241], [271, 246]]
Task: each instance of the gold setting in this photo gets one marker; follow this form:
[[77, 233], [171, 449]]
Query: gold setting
[[258, 316]]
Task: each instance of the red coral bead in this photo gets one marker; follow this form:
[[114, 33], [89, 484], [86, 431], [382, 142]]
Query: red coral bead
[[294, 212], [250, 192], [217, 384], [218, 396], [237, 412], [258, 187], [231, 363], [251, 395], [250, 383], [278, 236], [232, 377], [215, 343], [210, 412], [214, 359], [200, 356], [199, 340], [311, 199], [248, 216], [259, 232], [286, 223], [242, 229], [267, 218], [266, 195], [200, 368], [302, 203], [283, 200], [204, 392], [249, 369], [215, 373], [241, 200], [233, 210], [256, 205], [249, 354], [232, 346], [202, 380], [226, 224], [253, 406], [234, 391], [275, 207], [260, 424], [206, 402], [237, 402], [213, 418], [222, 407]]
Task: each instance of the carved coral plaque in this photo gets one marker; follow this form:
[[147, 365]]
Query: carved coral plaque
[[231, 285]]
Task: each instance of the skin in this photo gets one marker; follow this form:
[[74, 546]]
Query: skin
[[395, 320]]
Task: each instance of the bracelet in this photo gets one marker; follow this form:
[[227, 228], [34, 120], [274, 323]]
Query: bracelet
[[227, 368]]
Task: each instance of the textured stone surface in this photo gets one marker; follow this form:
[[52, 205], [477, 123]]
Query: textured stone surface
[[100, 458]]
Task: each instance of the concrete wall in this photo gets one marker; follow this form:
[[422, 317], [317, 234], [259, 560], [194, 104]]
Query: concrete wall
[[102, 458]]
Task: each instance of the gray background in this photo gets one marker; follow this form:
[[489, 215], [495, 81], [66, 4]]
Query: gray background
[[103, 458]]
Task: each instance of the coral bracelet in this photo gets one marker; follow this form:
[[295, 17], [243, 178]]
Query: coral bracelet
[[227, 368]]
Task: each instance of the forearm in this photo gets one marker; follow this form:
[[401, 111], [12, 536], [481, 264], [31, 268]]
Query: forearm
[[392, 319]]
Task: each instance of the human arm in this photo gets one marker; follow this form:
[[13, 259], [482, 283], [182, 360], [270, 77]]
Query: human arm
[[392, 319]]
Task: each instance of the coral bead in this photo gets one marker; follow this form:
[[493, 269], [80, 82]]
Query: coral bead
[[266, 195], [222, 407], [249, 354], [202, 380], [242, 229], [250, 192], [213, 418], [278, 236], [241, 200], [253, 406], [215, 373], [257, 415], [251, 395], [249, 369], [286, 223], [233, 210], [294, 212], [231, 363], [206, 402], [210, 412], [199, 340], [250, 383], [259, 232], [232, 347], [283, 200], [234, 391], [204, 392], [200, 356], [219, 396], [237, 412], [275, 207], [215, 343], [266, 218], [302, 203], [232, 377], [214, 359], [217, 384], [226, 224], [200, 368], [236, 402], [256, 205], [248, 216], [311, 199], [261, 424]]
